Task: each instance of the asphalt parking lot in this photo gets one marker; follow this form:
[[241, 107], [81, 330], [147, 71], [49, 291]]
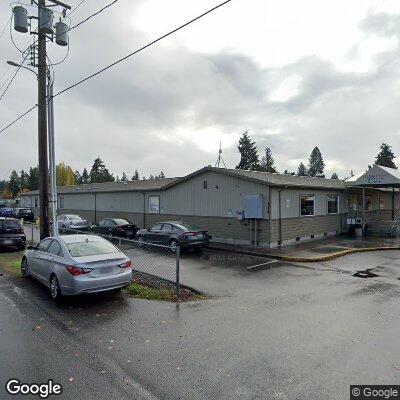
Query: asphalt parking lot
[[275, 331]]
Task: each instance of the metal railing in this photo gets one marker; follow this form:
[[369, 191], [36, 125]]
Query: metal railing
[[155, 260]]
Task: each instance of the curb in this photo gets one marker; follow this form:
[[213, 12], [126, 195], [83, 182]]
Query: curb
[[327, 257]]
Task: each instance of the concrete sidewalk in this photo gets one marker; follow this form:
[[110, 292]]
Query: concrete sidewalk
[[316, 250]]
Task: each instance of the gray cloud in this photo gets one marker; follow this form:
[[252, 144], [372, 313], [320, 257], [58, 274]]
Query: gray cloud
[[134, 115]]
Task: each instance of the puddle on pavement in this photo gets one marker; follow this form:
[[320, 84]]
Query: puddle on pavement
[[367, 273]]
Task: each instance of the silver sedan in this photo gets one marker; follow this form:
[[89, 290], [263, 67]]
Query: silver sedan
[[77, 264]]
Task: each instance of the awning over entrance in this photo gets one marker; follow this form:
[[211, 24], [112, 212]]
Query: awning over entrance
[[376, 176]]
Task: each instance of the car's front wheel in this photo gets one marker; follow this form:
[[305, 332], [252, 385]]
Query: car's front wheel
[[24, 268], [55, 291], [140, 240], [173, 244]]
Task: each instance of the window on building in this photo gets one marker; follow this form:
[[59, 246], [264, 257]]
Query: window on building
[[204, 184], [333, 204], [61, 202], [154, 204], [368, 203], [307, 205]]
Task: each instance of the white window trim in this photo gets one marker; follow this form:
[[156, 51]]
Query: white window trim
[[338, 204], [148, 205], [307, 195]]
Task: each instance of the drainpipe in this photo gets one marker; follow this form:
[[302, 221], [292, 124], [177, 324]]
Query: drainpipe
[[144, 210], [280, 214], [269, 216], [392, 203]]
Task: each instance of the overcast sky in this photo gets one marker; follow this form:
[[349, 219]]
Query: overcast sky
[[295, 74]]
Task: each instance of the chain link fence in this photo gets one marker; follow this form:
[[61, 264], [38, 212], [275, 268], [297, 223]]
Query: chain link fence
[[155, 260]]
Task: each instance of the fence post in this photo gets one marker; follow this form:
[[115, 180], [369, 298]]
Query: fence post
[[177, 252]]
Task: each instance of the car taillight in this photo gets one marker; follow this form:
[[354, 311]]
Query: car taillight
[[77, 270], [187, 234], [127, 264]]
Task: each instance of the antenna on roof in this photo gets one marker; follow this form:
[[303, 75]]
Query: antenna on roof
[[220, 160]]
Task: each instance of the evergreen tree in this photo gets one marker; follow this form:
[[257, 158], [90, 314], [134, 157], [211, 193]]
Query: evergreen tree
[[33, 180], [99, 173], [286, 172], [124, 177], [334, 176], [151, 177], [248, 153], [302, 170], [14, 183], [85, 178], [135, 176], [385, 157], [78, 177], [267, 162], [161, 175], [23, 180], [316, 163]]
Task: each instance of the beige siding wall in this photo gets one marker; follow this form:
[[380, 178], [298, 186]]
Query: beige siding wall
[[223, 194], [293, 228], [290, 202]]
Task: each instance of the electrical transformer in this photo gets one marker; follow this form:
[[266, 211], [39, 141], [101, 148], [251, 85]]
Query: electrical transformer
[[20, 19], [46, 20], [61, 33]]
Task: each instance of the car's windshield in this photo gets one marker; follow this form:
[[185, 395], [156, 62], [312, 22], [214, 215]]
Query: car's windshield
[[188, 227], [90, 248], [75, 217], [121, 221], [10, 224]]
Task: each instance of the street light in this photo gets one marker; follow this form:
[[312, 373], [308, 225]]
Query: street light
[[52, 161]]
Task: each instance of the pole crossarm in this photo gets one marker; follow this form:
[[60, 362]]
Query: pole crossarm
[[60, 3]]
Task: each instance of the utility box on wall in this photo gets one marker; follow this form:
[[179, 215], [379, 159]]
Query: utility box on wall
[[253, 206]]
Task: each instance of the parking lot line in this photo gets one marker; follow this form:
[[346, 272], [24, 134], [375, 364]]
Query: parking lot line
[[260, 265]]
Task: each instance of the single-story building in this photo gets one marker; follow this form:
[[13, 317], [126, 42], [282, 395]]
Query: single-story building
[[235, 206]]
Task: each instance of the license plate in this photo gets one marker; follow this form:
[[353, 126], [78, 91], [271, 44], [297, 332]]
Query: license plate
[[8, 242]]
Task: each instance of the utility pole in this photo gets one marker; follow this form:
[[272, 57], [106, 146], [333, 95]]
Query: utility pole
[[45, 31], [42, 130]]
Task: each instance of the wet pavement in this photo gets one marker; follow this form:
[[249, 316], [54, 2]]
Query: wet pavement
[[382, 266], [273, 331], [316, 247]]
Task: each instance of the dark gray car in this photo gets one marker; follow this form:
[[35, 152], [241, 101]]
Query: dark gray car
[[175, 233]]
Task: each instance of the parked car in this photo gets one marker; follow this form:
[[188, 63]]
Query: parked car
[[77, 264], [12, 233], [72, 221], [175, 233], [6, 212], [24, 213], [115, 227]]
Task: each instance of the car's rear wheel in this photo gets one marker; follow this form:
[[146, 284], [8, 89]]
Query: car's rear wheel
[[173, 244], [55, 291], [24, 268]]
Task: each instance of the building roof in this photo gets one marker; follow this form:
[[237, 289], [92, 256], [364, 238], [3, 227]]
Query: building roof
[[273, 179], [129, 186], [377, 176], [267, 178]]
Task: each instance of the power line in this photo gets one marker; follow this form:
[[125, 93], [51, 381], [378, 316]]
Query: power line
[[20, 117], [13, 77], [5, 27], [125, 58], [90, 16], [75, 8], [142, 48]]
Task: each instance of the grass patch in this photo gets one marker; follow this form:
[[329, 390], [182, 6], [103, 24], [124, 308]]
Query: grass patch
[[150, 293], [11, 263]]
